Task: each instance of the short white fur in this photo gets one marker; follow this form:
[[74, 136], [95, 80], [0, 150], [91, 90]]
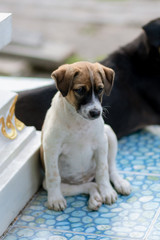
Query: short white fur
[[77, 150]]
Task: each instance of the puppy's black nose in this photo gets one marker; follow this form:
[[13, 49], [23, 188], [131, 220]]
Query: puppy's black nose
[[94, 113]]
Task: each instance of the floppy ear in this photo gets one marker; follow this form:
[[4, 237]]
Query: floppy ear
[[62, 79], [152, 30], [108, 80]]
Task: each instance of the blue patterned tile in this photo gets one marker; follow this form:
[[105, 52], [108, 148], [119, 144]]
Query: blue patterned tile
[[155, 232], [130, 216], [139, 152], [39, 234]]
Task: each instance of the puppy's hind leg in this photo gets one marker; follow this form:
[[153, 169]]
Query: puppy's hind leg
[[91, 188], [121, 185]]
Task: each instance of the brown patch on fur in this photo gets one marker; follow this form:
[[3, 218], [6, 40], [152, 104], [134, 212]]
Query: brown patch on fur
[[72, 99], [107, 76], [73, 76], [64, 76]]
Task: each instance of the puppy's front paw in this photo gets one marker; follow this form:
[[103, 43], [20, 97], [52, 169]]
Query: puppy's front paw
[[108, 194], [122, 186], [95, 201], [57, 202]]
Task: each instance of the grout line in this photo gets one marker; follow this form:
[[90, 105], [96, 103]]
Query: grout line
[[26, 206], [13, 223], [152, 224], [73, 232], [140, 173]]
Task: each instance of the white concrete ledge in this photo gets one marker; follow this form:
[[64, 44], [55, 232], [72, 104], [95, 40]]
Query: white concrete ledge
[[20, 174], [19, 181], [18, 84], [5, 29]]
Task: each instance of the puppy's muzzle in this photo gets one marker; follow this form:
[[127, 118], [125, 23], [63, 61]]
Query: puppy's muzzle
[[94, 113]]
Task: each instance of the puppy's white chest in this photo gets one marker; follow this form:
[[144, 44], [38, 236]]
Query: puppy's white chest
[[76, 162]]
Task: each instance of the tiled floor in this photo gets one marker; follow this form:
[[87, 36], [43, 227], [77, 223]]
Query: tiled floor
[[133, 217]]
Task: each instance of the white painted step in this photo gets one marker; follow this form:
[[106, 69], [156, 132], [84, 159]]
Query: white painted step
[[6, 99], [9, 125], [5, 29], [19, 181], [20, 174], [10, 150]]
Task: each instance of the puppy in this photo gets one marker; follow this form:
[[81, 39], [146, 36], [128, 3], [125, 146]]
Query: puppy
[[76, 145], [135, 99]]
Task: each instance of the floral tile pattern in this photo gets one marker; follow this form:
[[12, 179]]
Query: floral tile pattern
[[132, 217]]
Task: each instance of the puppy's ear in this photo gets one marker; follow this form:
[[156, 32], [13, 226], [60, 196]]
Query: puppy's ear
[[108, 83], [62, 79], [152, 30], [107, 75]]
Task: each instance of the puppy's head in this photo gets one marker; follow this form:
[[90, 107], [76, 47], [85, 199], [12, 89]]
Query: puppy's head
[[83, 85], [152, 31]]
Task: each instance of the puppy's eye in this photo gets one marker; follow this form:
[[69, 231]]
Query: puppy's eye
[[76, 74], [100, 90], [80, 91]]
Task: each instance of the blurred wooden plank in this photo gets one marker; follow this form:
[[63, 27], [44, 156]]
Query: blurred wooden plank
[[89, 11], [29, 39], [14, 67], [47, 55]]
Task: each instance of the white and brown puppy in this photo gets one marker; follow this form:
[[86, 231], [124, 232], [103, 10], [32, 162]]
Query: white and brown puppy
[[76, 145]]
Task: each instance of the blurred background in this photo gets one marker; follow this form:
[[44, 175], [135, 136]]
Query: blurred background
[[48, 33]]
